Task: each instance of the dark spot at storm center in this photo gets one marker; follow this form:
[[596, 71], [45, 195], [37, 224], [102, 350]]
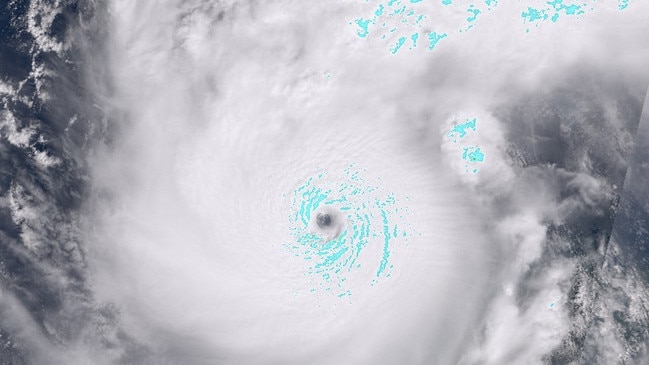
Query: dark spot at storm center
[[323, 220]]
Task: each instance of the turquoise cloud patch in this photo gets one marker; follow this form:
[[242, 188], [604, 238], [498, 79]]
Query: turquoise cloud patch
[[372, 225]]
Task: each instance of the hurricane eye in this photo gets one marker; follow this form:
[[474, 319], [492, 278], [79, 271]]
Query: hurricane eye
[[327, 222], [323, 220]]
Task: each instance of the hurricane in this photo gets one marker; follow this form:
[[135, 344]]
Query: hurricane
[[343, 182]]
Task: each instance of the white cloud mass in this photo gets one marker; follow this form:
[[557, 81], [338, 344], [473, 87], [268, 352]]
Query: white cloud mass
[[227, 106], [217, 110]]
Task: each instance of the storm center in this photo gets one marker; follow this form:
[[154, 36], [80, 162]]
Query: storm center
[[323, 220]]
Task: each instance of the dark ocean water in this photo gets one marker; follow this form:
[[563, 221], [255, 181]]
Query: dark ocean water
[[52, 118], [567, 135], [631, 230]]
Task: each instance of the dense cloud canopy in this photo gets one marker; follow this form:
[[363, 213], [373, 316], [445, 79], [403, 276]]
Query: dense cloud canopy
[[356, 182]]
